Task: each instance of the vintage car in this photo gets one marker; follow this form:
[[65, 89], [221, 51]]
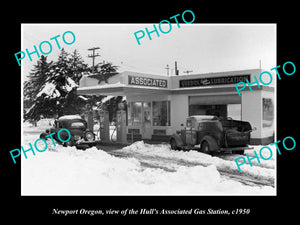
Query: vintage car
[[81, 136], [213, 134]]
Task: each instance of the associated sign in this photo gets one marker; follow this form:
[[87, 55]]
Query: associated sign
[[213, 81], [147, 81]]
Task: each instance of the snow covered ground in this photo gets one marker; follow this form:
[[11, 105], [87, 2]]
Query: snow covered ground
[[265, 170], [68, 171]]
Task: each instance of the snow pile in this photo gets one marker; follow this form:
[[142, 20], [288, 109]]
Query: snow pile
[[264, 171], [42, 125], [68, 171]]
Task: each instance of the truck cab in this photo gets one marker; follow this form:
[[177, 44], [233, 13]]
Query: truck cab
[[213, 134]]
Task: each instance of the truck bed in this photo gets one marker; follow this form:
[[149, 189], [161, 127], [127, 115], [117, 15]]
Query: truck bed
[[236, 133]]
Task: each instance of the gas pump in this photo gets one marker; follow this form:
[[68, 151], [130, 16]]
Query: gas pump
[[121, 124], [104, 126], [88, 116]]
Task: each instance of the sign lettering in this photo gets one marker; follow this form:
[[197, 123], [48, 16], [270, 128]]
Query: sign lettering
[[213, 81], [147, 81]]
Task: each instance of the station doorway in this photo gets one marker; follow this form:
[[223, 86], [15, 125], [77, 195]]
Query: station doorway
[[140, 118], [222, 106], [148, 118]]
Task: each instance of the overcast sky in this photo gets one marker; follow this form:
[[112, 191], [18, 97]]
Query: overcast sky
[[201, 48]]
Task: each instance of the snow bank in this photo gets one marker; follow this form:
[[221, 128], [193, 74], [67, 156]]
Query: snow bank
[[42, 125], [264, 170], [67, 171]]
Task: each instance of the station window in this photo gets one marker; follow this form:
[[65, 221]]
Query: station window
[[215, 110], [161, 113], [159, 132], [234, 111], [268, 112], [134, 113]]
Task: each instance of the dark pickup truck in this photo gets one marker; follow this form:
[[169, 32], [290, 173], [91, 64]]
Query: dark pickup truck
[[213, 134]]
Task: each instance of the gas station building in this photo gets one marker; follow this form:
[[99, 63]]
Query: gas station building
[[157, 105]]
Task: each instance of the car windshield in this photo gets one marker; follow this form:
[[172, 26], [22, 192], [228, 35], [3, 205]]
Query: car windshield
[[188, 123], [77, 125]]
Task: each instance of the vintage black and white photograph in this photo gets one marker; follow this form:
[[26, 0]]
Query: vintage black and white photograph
[[148, 109]]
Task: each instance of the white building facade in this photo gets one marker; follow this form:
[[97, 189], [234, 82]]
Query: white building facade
[[157, 105]]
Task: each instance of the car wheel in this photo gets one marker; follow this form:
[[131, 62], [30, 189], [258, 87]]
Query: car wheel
[[205, 147], [43, 136], [173, 144], [240, 152], [68, 143], [89, 136], [82, 147]]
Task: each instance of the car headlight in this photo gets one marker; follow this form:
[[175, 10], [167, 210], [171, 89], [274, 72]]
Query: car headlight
[[76, 137], [89, 136]]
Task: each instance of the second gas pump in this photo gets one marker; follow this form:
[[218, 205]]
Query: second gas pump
[[121, 129]]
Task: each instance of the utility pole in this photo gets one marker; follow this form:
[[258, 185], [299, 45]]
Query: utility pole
[[176, 70], [167, 68], [93, 55], [188, 71], [260, 64]]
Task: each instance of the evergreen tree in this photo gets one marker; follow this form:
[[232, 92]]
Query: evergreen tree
[[53, 93], [51, 88], [37, 77], [77, 66], [106, 68], [65, 75], [103, 71]]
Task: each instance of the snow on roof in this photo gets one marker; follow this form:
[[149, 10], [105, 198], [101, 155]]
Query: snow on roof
[[203, 117], [107, 98], [70, 117], [83, 98], [103, 86]]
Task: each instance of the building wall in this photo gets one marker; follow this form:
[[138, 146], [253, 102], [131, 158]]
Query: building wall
[[179, 111], [147, 98], [268, 132], [252, 111], [251, 101]]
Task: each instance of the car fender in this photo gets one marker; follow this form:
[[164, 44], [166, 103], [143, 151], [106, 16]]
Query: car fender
[[178, 140], [212, 142]]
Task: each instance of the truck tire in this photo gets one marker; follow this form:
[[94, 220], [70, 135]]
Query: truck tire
[[68, 144], [205, 148], [240, 152], [43, 136], [173, 144]]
